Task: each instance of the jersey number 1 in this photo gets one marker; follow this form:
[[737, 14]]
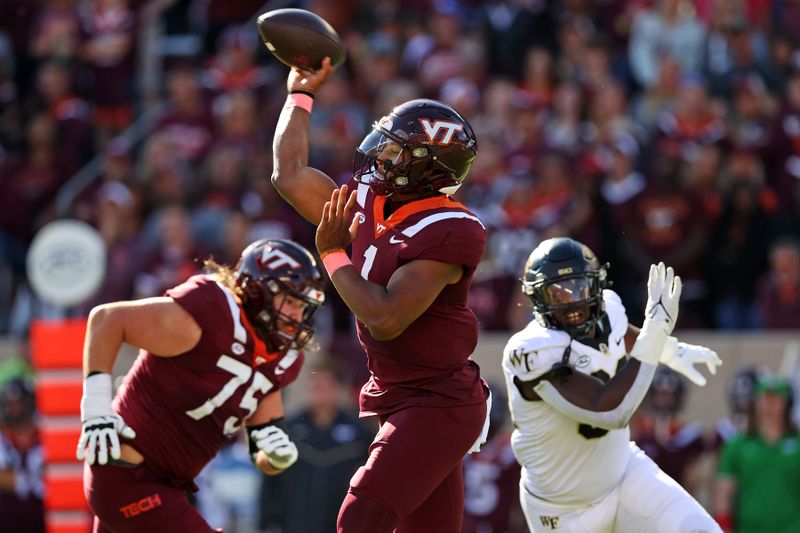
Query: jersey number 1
[[369, 259]]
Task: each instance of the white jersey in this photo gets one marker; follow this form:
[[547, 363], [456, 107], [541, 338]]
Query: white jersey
[[565, 462]]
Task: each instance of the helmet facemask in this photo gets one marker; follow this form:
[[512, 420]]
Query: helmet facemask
[[570, 303], [390, 163], [268, 306]]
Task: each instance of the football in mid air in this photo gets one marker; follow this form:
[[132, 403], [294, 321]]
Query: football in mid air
[[300, 38]]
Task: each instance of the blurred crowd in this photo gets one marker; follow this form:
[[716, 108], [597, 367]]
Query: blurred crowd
[[651, 130], [648, 129]]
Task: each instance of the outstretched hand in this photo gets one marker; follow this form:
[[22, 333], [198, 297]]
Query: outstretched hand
[[681, 357], [337, 227], [309, 80], [661, 313], [663, 297]]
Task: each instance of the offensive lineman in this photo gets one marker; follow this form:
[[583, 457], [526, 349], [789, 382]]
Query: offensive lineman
[[573, 391], [215, 352]]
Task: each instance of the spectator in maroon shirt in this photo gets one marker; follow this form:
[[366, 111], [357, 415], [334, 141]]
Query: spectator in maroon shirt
[[175, 258], [703, 177], [622, 183], [779, 289], [187, 122], [565, 129], [736, 256], [658, 429], [784, 153], [72, 113], [237, 119], [30, 182], [116, 218], [753, 108], [56, 32], [537, 78], [109, 31], [117, 167], [233, 67], [667, 224]]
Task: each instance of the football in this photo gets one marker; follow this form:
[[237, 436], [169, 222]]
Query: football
[[299, 38]]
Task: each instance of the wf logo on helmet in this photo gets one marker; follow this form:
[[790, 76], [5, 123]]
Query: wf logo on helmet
[[432, 130]]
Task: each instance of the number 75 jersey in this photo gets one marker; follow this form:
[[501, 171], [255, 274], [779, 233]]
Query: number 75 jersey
[[563, 461], [184, 409]]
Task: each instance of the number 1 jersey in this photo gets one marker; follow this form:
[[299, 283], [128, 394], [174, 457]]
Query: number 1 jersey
[[185, 408], [427, 364]]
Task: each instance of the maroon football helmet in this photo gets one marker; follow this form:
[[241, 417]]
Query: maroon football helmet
[[267, 269], [421, 146]]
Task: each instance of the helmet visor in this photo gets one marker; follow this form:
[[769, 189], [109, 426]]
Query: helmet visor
[[385, 160], [567, 291], [377, 155]]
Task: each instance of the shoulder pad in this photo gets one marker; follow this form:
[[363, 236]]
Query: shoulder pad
[[615, 310], [534, 351]]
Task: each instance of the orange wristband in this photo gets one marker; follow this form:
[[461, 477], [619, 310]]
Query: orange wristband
[[334, 260], [300, 100]]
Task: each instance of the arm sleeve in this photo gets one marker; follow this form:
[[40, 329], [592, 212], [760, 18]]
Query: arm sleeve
[[616, 418]]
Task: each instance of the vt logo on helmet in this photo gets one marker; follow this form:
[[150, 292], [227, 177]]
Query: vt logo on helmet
[[281, 288], [565, 283], [422, 146]]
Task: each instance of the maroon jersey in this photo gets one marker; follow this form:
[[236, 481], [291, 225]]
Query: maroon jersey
[[491, 489], [428, 364], [676, 453], [185, 408]]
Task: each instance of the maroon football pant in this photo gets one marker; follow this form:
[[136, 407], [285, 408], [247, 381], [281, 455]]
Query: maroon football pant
[[131, 499], [412, 481]]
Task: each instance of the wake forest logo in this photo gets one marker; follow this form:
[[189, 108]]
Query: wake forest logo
[[549, 521], [520, 357]]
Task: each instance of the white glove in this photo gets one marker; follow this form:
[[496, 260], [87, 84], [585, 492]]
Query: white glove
[[273, 441], [682, 357], [661, 313], [101, 426]]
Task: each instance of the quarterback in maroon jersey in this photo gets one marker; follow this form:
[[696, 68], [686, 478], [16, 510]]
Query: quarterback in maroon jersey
[[414, 252], [215, 351]]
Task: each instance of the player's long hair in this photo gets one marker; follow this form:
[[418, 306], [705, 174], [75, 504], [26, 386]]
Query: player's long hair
[[222, 273]]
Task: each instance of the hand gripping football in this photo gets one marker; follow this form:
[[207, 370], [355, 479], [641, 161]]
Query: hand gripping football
[[299, 38]]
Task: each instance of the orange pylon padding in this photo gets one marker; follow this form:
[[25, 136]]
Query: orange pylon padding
[[61, 397], [70, 524], [58, 343], [60, 442], [64, 492]]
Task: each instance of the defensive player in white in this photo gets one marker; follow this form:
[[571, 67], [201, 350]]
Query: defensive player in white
[[572, 391]]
